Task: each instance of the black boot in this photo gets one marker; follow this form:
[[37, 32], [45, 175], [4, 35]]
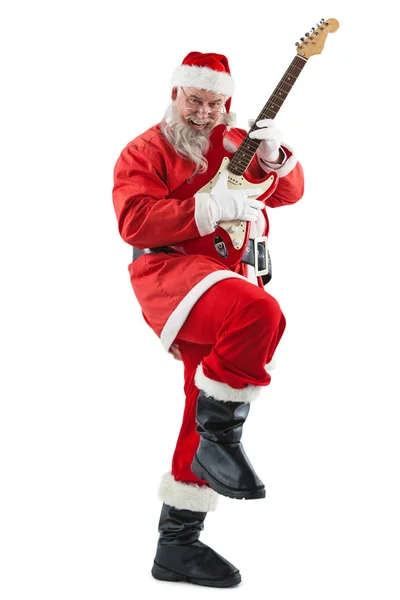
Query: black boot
[[181, 557], [220, 458]]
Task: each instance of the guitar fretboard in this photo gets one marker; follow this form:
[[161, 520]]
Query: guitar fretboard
[[248, 147]]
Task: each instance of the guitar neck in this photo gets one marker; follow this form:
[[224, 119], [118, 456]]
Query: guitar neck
[[248, 147]]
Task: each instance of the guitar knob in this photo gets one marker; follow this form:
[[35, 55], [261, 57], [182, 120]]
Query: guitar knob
[[232, 229]]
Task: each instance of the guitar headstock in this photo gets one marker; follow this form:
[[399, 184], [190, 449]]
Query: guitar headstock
[[314, 40]]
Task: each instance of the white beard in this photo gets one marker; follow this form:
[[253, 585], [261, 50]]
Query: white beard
[[187, 142]]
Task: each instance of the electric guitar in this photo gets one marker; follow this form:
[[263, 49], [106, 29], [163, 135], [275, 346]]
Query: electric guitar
[[229, 241]]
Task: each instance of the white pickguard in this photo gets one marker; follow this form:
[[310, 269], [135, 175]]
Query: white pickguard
[[235, 229]]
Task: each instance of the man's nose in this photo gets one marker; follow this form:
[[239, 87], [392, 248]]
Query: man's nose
[[204, 109]]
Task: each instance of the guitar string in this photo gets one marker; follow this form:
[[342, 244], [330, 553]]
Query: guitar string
[[294, 66], [291, 71], [247, 141]]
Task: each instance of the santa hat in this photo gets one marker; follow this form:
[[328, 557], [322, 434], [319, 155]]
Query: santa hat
[[207, 72]]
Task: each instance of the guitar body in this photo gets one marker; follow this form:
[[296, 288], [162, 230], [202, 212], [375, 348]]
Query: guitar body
[[228, 242]]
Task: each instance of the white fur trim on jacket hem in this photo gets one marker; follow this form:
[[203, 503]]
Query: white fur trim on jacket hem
[[179, 315], [187, 496], [222, 391], [203, 78]]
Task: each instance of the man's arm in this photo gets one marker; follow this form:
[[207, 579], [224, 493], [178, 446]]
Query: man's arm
[[146, 216], [290, 186]]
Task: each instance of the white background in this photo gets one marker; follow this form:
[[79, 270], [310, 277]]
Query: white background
[[90, 402]]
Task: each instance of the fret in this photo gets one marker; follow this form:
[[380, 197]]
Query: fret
[[248, 153], [279, 100], [248, 147]]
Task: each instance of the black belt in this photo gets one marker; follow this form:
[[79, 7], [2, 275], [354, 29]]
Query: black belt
[[137, 253], [261, 263]]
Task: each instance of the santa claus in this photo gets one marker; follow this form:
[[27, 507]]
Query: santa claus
[[218, 320]]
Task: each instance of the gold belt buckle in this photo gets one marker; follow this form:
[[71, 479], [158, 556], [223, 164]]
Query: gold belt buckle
[[260, 240]]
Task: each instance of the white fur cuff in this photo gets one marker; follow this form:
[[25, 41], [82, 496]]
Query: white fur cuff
[[222, 391], [187, 496], [203, 78], [202, 214], [285, 167]]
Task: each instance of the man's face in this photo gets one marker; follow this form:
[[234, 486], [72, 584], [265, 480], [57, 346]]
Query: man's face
[[199, 108]]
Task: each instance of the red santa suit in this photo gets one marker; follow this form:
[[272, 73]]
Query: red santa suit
[[169, 287], [225, 324]]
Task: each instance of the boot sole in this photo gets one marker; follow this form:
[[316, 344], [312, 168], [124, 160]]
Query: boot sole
[[163, 574], [201, 473]]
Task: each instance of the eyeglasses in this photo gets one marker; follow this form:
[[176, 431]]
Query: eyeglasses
[[195, 104]]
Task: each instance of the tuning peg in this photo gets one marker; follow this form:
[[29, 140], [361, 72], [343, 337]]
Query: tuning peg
[[297, 44], [302, 39], [322, 20], [312, 29], [307, 34]]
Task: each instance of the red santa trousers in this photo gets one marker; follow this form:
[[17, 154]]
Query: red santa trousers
[[227, 339]]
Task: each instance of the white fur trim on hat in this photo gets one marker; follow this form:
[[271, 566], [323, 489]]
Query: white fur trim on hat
[[187, 496], [222, 391], [230, 119], [203, 78]]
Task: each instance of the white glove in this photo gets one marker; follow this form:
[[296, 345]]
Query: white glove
[[271, 138], [230, 205]]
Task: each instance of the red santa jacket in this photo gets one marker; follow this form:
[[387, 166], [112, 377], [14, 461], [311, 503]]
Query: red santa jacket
[[168, 285]]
